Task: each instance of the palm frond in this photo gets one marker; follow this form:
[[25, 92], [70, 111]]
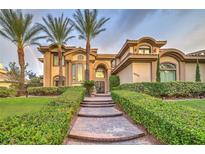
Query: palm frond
[[57, 29], [87, 23]]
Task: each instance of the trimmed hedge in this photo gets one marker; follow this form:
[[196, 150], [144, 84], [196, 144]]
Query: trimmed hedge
[[167, 89], [47, 126], [171, 123], [46, 91], [7, 92]]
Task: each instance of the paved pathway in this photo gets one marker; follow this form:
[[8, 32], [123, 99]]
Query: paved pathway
[[99, 122]]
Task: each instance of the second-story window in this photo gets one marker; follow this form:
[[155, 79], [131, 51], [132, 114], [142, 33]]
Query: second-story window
[[145, 49], [56, 59]]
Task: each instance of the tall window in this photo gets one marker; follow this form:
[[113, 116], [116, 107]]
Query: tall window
[[56, 60], [77, 72], [100, 73], [144, 49], [167, 72]]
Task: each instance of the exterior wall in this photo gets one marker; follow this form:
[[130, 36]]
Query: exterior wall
[[126, 75], [202, 72], [190, 69], [4, 84], [141, 72]]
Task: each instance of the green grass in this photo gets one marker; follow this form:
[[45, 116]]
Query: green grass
[[196, 104], [19, 106]]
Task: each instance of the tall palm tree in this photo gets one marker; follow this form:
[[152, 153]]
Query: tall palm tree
[[57, 31], [17, 27], [89, 26]]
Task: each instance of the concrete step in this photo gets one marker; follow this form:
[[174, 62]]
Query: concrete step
[[99, 112], [138, 141], [112, 129], [97, 106], [97, 103], [97, 99], [102, 95]]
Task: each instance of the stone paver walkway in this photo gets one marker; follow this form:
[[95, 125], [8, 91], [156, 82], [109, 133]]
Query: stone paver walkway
[[99, 122]]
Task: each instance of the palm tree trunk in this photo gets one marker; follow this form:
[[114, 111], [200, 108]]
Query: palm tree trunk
[[22, 71], [60, 66], [87, 70]]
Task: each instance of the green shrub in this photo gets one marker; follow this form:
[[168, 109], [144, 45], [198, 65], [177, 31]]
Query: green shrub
[[114, 81], [7, 92], [89, 85], [171, 123], [167, 89], [46, 91], [47, 126]]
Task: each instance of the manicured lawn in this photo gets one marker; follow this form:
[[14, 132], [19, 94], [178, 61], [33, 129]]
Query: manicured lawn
[[196, 104], [18, 106]]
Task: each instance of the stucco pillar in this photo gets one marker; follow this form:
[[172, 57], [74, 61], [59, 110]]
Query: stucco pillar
[[47, 70], [108, 82], [66, 73], [153, 71], [69, 73], [182, 71]]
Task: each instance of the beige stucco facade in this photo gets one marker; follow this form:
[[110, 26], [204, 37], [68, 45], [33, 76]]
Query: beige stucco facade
[[135, 62]]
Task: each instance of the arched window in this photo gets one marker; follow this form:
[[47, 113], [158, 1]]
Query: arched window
[[56, 80], [144, 49], [80, 57], [167, 72]]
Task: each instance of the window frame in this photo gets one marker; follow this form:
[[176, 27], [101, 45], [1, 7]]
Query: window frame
[[143, 48], [55, 54], [76, 72], [169, 69]]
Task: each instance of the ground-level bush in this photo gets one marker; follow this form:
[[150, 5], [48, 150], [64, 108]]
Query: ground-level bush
[[46, 91], [7, 92], [167, 89], [171, 123], [114, 81], [47, 126]]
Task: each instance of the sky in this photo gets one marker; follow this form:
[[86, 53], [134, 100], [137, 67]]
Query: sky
[[183, 29]]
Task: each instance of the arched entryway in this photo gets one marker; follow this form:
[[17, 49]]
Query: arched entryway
[[101, 79]]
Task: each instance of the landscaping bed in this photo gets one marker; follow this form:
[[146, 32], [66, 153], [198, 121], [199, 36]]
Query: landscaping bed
[[46, 91], [47, 126], [171, 123], [7, 92], [170, 90]]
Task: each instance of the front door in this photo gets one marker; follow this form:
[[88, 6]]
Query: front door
[[100, 86]]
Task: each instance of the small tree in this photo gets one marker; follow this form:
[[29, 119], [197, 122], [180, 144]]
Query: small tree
[[114, 81], [158, 79], [198, 77]]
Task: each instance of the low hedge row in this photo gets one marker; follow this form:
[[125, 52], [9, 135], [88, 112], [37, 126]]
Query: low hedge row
[[167, 89], [7, 92], [171, 123], [48, 126], [46, 91]]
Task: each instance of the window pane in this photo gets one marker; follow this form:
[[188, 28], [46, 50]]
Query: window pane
[[100, 73], [80, 72], [167, 76], [55, 59]]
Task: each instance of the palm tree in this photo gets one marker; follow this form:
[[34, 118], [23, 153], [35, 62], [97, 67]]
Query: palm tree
[[57, 30], [17, 27], [89, 26]]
